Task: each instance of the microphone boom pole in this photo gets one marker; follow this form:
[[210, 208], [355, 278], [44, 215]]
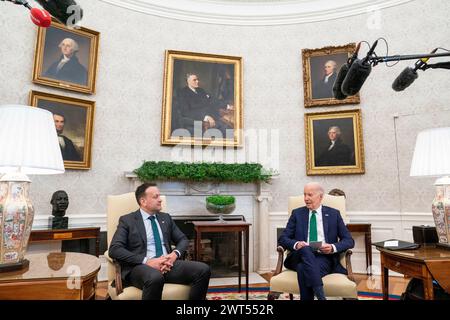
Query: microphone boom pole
[[377, 60]]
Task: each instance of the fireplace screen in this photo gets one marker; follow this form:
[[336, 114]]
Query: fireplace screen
[[219, 250]]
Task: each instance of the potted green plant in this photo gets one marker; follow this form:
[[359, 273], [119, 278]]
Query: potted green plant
[[219, 204]]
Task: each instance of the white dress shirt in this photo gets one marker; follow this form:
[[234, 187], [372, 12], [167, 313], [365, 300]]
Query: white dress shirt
[[151, 250], [320, 231]]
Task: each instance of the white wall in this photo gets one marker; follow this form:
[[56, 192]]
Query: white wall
[[129, 97]]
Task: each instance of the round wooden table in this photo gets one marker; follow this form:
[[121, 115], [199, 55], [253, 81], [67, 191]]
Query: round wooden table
[[52, 276]]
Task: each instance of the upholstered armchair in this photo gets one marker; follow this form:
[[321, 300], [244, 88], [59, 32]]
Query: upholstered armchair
[[335, 284], [118, 206]]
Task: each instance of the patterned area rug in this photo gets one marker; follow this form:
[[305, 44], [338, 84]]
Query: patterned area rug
[[260, 293]]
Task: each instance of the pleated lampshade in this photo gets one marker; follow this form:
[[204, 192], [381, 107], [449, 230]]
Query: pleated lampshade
[[432, 153], [28, 140]]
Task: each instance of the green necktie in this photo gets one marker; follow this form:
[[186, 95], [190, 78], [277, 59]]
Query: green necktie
[[158, 244], [313, 227]]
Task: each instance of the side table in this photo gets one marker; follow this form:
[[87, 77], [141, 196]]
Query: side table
[[365, 228], [45, 234], [241, 227], [52, 276]]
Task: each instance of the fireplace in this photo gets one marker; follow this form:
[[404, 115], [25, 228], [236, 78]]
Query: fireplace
[[187, 199], [219, 250]]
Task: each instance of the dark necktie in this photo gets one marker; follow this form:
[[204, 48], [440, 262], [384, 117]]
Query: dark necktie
[[313, 227], [158, 244]]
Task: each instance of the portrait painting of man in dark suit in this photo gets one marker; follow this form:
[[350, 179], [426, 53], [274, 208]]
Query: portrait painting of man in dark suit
[[202, 99], [334, 146], [203, 95], [334, 142], [320, 69], [324, 70], [73, 123], [66, 58]]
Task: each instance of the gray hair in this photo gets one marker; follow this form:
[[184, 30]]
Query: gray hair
[[336, 128], [317, 186], [189, 74], [332, 62], [73, 42]]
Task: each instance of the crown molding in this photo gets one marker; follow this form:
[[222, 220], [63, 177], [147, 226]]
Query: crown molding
[[263, 13]]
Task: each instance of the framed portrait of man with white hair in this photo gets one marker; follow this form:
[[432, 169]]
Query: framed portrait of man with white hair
[[320, 70], [66, 58], [334, 143]]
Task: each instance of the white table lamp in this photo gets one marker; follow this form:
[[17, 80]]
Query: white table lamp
[[432, 159], [28, 145]]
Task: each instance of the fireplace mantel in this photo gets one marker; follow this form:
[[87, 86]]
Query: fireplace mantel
[[252, 201]]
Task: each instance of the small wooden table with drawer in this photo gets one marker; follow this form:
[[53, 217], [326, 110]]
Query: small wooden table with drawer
[[73, 233], [426, 263]]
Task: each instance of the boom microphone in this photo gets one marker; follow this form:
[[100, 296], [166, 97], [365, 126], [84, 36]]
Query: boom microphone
[[408, 75], [40, 17], [65, 11], [337, 92], [358, 73]]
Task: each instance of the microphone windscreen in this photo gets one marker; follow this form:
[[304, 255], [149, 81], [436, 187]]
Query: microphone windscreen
[[356, 76], [337, 92], [40, 17], [404, 79], [62, 10]]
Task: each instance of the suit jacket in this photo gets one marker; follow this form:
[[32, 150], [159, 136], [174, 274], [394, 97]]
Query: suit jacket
[[191, 106], [72, 71], [339, 155], [335, 232], [129, 243], [69, 152], [324, 89]]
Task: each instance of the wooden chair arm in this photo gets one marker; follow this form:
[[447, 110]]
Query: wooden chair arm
[[348, 265], [279, 267], [118, 277]]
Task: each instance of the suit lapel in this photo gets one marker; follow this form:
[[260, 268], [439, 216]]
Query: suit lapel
[[325, 217], [305, 223], [140, 226]]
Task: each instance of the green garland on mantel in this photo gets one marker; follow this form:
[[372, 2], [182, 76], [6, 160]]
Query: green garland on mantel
[[213, 172]]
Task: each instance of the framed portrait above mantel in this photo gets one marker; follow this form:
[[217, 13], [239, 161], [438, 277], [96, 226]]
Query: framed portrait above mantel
[[320, 68], [334, 143], [74, 121], [202, 100], [66, 58]]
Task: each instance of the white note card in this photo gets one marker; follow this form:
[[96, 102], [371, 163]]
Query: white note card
[[391, 243]]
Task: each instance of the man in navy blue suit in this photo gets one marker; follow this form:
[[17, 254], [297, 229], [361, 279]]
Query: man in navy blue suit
[[311, 224]]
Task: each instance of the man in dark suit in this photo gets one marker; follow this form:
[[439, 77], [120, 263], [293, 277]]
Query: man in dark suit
[[68, 68], [196, 110], [313, 223], [142, 245], [337, 153], [68, 150], [324, 88]]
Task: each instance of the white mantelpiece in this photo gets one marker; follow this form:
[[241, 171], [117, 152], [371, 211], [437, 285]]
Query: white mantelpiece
[[252, 201]]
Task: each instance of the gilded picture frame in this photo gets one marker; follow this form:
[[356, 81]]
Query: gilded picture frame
[[334, 142], [66, 58], [202, 100], [74, 122], [320, 68]]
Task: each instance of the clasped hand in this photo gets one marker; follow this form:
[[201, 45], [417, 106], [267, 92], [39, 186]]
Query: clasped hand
[[164, 263]]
